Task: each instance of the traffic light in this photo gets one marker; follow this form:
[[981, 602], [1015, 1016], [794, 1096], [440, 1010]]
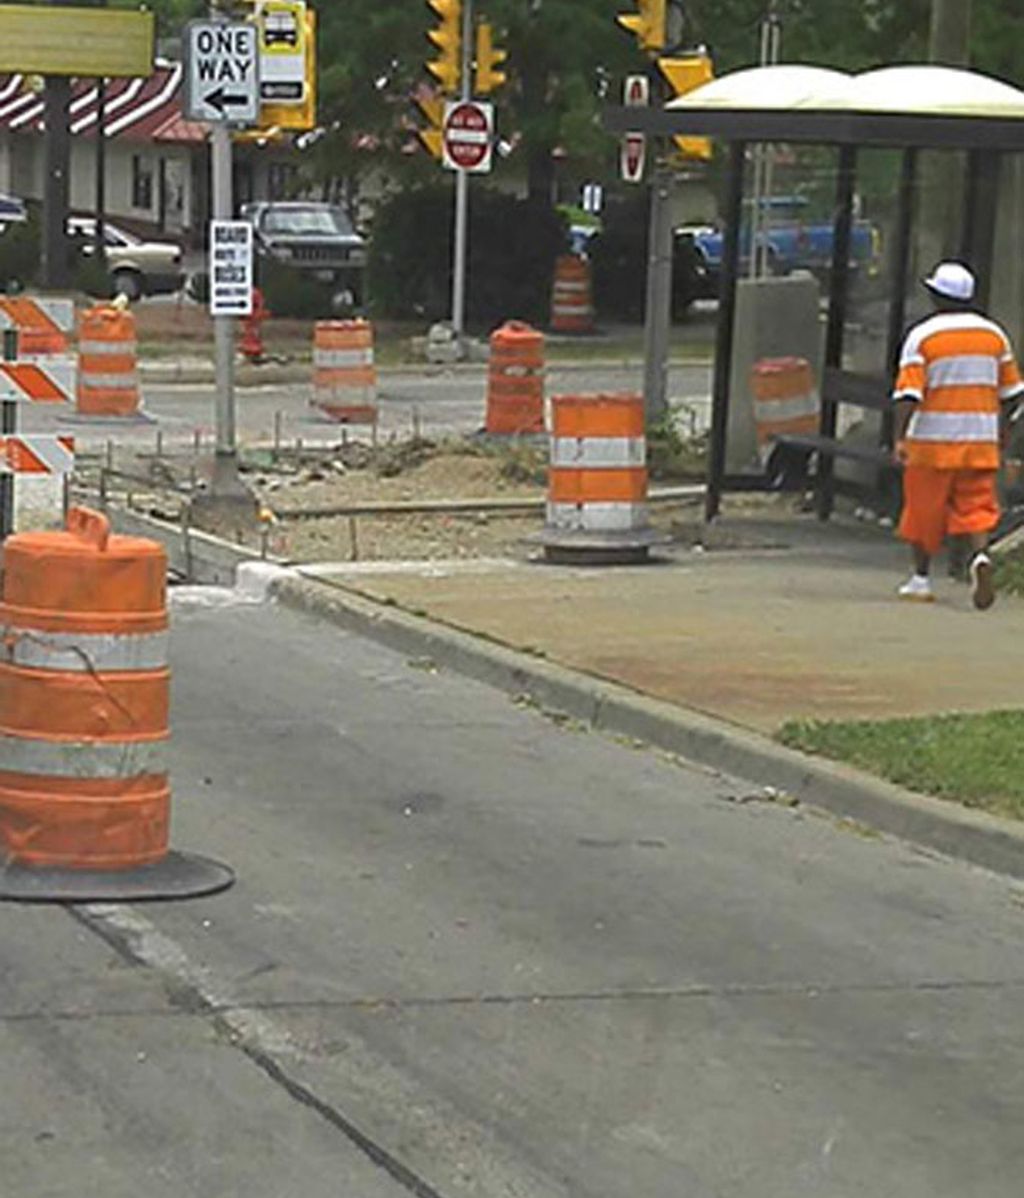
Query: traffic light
[[489, 58], [432, 136], [683, 75], [648, 24], [447, 37]]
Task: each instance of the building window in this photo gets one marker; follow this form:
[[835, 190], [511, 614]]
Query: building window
[[142, 183]]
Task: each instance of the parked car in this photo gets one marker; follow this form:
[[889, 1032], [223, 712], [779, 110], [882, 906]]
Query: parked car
[[791, 242], [314, 244], [136, 267], [12, 211]]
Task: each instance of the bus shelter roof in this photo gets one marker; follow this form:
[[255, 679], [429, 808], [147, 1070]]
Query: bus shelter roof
[[923, 106]]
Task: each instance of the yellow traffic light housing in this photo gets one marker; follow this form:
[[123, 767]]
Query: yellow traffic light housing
[[647, 24], [432, 136], [489, 58], [447, 37], [685, 74]]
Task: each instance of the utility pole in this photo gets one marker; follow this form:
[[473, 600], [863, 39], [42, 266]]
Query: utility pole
[[56, 182], [949, 44], [462, 188]]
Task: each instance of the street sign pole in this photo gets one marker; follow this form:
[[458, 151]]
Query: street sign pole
[[225, 474], [8, 424], [222, 71], [658, 307], [462, 192]]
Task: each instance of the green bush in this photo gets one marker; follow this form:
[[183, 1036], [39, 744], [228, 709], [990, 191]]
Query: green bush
[[618, 255], [513, 245], [20, 254]]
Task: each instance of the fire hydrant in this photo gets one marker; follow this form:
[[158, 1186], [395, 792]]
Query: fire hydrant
[[251, 345]]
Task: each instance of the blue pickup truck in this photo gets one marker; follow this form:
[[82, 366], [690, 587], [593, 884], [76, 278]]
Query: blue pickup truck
[[792, 243]]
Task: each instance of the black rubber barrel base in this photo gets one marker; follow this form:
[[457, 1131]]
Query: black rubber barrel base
[[177, 876]]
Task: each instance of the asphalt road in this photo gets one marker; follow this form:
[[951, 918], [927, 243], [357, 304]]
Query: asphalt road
[[475, 951], [439, 402]]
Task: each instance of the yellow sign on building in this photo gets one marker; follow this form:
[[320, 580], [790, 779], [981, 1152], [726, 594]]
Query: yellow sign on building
[[87, 42]]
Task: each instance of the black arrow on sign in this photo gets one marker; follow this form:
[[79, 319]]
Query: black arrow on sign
[[222, 100]]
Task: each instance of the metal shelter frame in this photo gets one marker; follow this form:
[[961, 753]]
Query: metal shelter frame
[[985, 138]]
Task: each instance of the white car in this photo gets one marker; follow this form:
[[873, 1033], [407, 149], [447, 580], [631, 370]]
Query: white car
[[137, 267]]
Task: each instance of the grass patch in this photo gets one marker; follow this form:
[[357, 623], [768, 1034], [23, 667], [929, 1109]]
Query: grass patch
[[976, 760], [1010, 573]]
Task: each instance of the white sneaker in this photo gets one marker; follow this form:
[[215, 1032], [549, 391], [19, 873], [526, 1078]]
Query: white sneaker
[[917, 588], [983, 586]]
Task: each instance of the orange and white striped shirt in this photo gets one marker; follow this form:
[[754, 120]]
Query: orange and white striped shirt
[[959, 368]]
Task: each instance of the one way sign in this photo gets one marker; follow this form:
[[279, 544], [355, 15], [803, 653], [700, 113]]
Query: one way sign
[[222, 72]]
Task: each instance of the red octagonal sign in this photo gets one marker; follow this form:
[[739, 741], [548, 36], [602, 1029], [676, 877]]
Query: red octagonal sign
[[468, 135]]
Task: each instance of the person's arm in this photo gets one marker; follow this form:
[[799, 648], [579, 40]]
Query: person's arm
[[907, 393], [1011, 393], [903, 411]]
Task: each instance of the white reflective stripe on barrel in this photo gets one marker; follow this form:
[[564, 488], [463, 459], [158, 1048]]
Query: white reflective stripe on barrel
[[791, 408], [331, 359], [79, 652], [597, 517], [572, 285], [128, 381], [82, 759], [570, 309], [598, 452], [112, 349]]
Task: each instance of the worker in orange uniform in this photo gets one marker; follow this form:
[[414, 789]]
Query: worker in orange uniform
[[957, 388]]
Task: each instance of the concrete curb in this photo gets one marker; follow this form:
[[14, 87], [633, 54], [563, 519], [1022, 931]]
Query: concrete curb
[[946, 828], [606, 706], [180, 374]]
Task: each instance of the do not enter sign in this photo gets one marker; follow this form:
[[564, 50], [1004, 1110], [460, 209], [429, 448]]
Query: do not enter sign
[[468, 136]]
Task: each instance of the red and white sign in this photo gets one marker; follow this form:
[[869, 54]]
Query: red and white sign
[[46, 380], [633, 157], [37, 453], [468, 136], [636, 93]]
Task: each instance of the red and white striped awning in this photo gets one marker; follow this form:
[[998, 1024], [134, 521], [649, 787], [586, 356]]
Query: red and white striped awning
[[136, 109]]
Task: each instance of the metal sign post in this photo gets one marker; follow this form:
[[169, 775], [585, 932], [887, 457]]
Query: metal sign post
[[8, 424], [222, 75], [462, 193]]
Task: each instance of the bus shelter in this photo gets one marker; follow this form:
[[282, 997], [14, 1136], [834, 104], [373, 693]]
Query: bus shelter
[[918, 140]]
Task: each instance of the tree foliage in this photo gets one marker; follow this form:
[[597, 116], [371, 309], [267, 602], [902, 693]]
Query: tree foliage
[[567, 58]]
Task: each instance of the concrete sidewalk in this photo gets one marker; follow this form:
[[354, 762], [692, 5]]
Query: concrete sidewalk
[[786, 619]]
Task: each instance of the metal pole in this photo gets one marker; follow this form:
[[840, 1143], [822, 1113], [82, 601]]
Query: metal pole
[[57, 154], [835, 330], [225, 477], [462, 192], [101, 171], [724, 339], [8, 424], [658, 313]]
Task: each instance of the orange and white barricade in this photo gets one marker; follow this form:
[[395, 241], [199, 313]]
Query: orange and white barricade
[[572, 308], [45, 324], [37, 453], [344, 374], [785, 400], [515, 381], [597, 482], [108, 376], [84, 690]]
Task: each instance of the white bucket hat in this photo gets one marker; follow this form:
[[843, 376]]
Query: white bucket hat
[[952, 281]]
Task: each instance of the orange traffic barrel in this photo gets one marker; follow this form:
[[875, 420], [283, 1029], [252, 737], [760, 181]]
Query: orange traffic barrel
[[515, 381], [84, 688], [597, 482], [785, 400], [108, 377], [572, 308], [344, 374]]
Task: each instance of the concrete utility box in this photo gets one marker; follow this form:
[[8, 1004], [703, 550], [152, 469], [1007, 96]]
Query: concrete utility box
[[775, 318]]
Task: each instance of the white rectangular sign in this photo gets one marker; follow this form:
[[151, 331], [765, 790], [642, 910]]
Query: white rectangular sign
[[231, 268], [222, 72]]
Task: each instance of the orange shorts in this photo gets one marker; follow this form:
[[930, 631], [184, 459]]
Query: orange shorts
[[941, 503]]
